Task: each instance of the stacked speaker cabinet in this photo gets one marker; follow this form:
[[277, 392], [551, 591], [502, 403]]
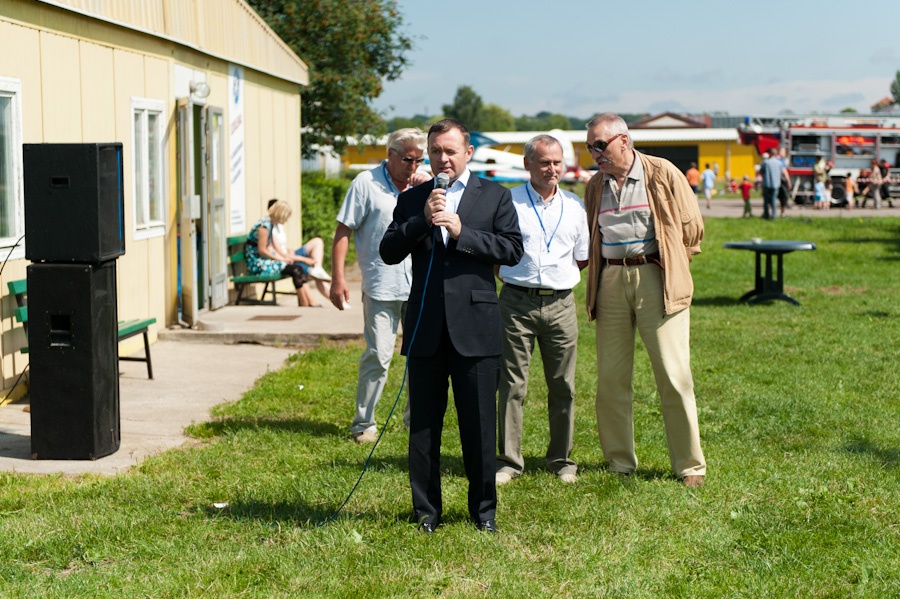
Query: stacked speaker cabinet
[[74, 231]]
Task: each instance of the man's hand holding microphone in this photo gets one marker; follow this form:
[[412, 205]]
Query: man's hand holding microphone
[[435, 207]]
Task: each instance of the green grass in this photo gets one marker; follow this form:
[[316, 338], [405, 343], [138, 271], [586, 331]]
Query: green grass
[[800, 426]]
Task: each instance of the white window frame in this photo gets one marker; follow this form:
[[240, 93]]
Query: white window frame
[[148, 225], [12, 88]]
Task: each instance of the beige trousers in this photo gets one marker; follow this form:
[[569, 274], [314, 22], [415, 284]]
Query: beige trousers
[[631, 297]]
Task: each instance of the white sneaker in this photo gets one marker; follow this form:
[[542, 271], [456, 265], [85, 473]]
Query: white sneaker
[[568, 478], [367, 436], [502, 478], [317, 272]]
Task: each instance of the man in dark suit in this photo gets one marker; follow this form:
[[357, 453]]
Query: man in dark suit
[[452, 327]]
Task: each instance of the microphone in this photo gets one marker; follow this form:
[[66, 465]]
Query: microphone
[[442, 181]]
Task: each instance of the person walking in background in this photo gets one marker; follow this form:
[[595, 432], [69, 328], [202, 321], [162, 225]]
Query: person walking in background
[[644, 227], [452, 327], [537, 304], [745, 187], [873, 187], [709, 184], [885, 168], [850, 191], [693, 177], [784, 191], [366, 213], [774, 174]]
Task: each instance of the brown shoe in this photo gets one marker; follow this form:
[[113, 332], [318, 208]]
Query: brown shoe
[[693, 480]]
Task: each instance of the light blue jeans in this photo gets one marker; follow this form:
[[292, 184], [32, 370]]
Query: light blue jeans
[[381, 322]]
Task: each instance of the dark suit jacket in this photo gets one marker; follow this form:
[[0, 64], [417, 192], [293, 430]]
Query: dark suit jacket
[[461, 287]]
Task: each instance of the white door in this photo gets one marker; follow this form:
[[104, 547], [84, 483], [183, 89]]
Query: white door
[[189, 214], [215, 179]]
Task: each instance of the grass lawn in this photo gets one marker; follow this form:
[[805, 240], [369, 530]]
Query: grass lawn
[[799, 419]]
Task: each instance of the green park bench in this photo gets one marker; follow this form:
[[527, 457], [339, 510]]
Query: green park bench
[[127, 328], [240, 278]]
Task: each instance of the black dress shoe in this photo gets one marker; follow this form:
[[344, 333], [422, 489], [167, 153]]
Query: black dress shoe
[[487, 526], [427, 528]]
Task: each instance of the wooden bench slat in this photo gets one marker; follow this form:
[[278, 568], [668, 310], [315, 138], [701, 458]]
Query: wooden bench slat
[[237, 263]]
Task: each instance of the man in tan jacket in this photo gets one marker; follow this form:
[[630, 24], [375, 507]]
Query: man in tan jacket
[[645, 226]]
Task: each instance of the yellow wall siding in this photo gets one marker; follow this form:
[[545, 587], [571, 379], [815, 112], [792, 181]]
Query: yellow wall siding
[[79, 77], [229, 29], [259, 196], [253, 114], [20, 59], [60, 86], [97, 98]]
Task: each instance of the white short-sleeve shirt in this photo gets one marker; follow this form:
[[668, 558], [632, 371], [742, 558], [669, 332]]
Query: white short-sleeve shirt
[[368, 210]]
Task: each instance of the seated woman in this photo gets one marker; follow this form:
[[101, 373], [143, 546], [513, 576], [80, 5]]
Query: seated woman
[[308, 256], [264, 258]]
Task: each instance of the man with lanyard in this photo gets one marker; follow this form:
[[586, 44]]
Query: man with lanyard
[[645, 227], [366, 212], [536, 303]]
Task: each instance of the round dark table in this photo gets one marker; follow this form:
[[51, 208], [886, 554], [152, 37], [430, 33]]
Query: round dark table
[[767, 286]]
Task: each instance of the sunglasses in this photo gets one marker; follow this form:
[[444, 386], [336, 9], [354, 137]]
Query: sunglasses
[[409, 159], [600, 146]]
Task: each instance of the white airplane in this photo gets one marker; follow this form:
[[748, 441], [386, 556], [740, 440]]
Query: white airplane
[[502, 165]]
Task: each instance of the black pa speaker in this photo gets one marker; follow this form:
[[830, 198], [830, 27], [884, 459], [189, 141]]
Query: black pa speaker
[[73, 354], [74, 202]]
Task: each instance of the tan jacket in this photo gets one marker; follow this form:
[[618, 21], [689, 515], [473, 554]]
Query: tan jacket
[[678, 224]]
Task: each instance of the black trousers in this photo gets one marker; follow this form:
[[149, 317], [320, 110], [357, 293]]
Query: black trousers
[[475, 381]]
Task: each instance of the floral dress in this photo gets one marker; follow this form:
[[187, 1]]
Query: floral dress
[[256, 264]]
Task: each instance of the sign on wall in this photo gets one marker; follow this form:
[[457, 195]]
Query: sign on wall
[[238, 215]]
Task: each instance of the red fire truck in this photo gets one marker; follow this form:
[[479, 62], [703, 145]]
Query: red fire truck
[[848, 142]]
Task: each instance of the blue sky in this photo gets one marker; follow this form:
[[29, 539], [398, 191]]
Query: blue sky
[[580, 57]]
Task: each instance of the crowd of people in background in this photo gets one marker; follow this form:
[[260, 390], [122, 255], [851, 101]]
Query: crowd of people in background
[[855, 189]]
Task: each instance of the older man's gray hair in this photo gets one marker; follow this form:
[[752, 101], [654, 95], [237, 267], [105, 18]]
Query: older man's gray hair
[[399, 139]]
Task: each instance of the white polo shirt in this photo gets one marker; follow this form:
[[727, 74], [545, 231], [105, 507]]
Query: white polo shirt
[[554, 235], [367, 210]]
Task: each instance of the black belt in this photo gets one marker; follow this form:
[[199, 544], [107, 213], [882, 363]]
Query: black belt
[[537, 290], [635, 260]]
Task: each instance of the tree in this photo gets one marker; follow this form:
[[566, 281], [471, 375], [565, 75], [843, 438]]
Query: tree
[[350, 48], [848, 110], [466, 108], [895, 88], [496, 118]]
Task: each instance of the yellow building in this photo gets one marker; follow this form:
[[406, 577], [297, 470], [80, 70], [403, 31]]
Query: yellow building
[[204, 98]]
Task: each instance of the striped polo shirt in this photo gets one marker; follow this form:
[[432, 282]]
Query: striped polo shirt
[[625, 220]]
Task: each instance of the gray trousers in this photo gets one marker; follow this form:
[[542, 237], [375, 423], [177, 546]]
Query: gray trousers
[[382, 320], [552, 322]]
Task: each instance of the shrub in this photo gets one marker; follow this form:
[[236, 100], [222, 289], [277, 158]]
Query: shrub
[[321, 198]]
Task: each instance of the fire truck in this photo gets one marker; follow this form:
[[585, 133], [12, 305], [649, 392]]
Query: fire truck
[[848, 142]]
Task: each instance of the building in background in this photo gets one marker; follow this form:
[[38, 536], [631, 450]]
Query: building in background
[[205, 99]]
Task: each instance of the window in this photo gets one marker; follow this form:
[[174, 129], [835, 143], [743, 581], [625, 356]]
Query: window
[[11, 202], [147, 142]]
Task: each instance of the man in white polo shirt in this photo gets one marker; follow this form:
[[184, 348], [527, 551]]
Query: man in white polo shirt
[[645, 228], [366, 213], [537, 304]]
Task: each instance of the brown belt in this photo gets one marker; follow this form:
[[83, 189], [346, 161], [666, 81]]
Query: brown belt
[[636, 260]]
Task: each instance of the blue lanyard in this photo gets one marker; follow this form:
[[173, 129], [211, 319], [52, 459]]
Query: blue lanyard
[[390, 181], [540, 220]]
